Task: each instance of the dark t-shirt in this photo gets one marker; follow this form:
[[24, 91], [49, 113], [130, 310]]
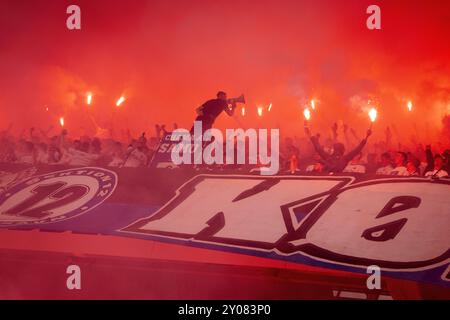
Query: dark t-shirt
[[212, 108]]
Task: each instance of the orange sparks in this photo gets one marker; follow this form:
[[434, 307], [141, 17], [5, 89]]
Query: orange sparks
[[270, 107], [61, 121], [313, 104], [243, 111]]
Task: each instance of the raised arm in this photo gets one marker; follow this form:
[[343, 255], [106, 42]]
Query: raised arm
[[334, 129], [316, 144], [347, 138], [388, 135], [430, 158], [349, 156]]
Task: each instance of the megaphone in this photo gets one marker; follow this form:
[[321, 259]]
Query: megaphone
[[240, 99]]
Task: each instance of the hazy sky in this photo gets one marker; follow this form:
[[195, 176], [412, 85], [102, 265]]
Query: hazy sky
[[167, 57]]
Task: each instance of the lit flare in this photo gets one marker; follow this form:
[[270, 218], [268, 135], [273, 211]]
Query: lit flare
[[307, 114], [410, 106], [120, 101], [373, 114], [89, 98], [260, 111]]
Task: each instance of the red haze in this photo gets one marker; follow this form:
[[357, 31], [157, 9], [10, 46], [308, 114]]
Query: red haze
[[167, 57]]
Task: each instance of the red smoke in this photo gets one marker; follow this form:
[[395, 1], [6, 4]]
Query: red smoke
[[167, 57]]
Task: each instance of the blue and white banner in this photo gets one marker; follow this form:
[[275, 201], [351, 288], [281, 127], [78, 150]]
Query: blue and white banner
[[345, 223]]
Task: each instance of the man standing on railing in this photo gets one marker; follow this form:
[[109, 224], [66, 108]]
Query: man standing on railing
[[208, 112]]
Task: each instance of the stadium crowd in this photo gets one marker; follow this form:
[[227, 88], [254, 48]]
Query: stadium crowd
[[340, 151]]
